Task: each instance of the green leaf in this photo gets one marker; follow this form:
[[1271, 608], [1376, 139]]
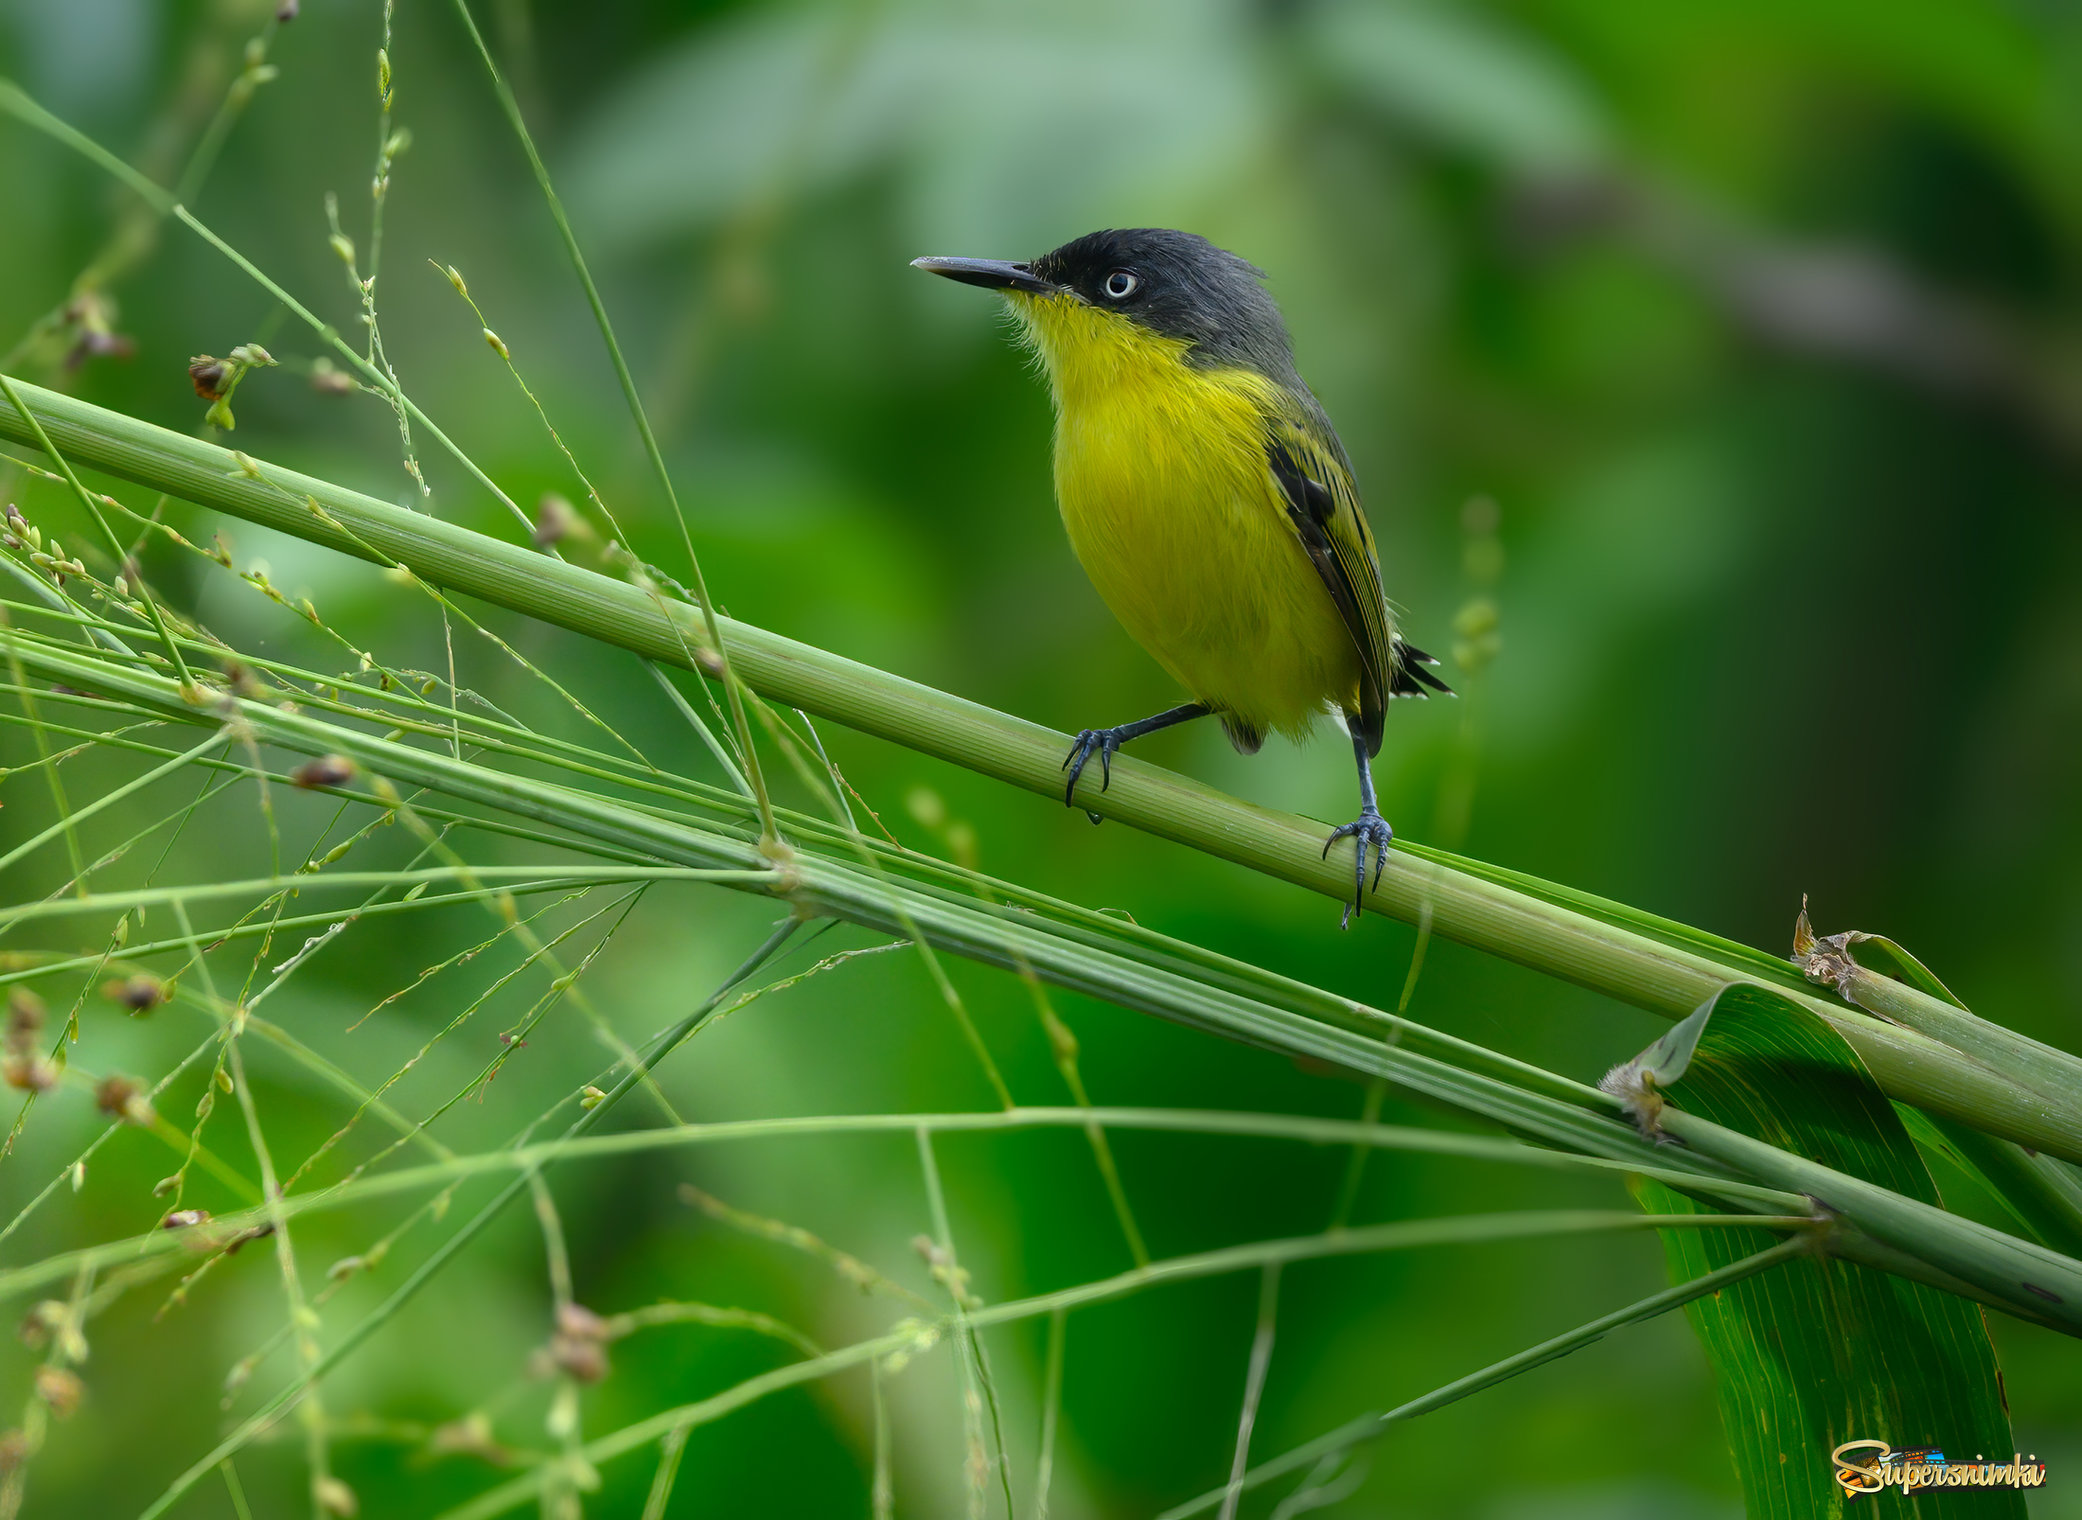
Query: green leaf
[[1908, 969], [1666, 1061], [2043, 1195], [1739, 959], [1824, 1351]]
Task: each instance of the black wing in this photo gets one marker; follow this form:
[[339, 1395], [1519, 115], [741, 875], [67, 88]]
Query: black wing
[[1323, 508]]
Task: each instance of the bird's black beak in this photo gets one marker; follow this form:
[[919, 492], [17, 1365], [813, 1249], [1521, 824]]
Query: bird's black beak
[[991, 274]]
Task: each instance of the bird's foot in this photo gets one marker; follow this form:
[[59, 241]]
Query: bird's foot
[[1368, 829], [1103, 742]]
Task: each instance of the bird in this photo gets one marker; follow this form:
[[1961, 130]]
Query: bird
[[1209, 499]]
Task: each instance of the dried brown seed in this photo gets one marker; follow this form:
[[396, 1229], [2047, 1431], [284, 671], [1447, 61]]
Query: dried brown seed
[[122, 1098], [329, 380], [41, 1322], [258, 1232], [140, 993], [471, 1436], [99, 343], [578, 1320], [60, 1389], [581, 1356], [326, 770], [24, 1019], [208, 375], [556, 520], [30, 1073]]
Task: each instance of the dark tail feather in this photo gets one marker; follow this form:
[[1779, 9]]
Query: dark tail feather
[[1411, 674]]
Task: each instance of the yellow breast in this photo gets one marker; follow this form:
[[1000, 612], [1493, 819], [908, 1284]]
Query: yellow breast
[[1161, 474]]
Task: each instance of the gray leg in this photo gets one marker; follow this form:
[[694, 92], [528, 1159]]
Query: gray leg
[[1369, 828], [1104, 741]]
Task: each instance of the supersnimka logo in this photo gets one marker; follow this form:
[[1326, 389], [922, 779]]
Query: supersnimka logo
[[1867, 1467]]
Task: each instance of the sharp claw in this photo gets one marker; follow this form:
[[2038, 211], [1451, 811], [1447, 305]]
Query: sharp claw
[[1078, 752], [1091, 741], [1366, 831]]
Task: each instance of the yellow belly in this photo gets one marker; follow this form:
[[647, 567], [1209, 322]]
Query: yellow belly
[[1172, 510]]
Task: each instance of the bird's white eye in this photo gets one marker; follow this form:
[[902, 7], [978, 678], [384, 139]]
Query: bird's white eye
[[1120, 285]]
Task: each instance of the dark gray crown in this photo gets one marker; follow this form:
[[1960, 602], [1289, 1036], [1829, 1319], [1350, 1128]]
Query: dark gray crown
[[1183, 287]]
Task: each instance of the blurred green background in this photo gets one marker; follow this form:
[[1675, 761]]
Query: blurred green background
[[1757, 323]]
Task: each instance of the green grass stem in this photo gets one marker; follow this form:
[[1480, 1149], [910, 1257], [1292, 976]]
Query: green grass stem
[[2038, 1104]]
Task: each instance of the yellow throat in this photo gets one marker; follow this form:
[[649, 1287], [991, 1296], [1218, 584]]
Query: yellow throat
[[1163, 482]]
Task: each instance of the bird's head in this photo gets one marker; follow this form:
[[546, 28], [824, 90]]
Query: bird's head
[[1142, 291]]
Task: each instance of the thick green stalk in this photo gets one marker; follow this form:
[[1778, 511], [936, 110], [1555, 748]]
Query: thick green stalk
[[2037, 1104], [2040, 1283], [93, 505], [1968, 1260], [1420, 1059], [2045, 1195]]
